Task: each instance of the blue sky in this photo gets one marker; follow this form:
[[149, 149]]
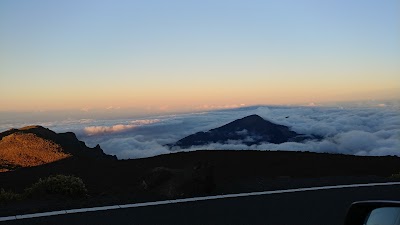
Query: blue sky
[[185, 55]]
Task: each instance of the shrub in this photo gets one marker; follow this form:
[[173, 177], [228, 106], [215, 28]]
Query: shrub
[[395, 176], [7, 196], [70, 186]]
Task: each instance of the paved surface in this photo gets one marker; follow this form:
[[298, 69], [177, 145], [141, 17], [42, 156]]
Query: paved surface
[[309, 207]]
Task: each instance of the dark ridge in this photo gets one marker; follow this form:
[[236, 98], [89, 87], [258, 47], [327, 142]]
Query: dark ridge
[[68, 141]]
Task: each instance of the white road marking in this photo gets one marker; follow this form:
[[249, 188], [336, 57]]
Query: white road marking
[[7, 218], [26, 216], [144, 204], [135, 205], [102, 208]]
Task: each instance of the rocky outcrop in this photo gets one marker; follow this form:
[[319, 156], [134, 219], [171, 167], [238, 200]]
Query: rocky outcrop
[[36, 145]]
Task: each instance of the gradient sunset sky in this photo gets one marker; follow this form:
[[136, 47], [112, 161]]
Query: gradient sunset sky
[[190, 55]]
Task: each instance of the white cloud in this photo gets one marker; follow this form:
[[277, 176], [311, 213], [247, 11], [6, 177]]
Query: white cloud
[[94, 130], [359, 131], [113, 107], [134, 147], [311, 104]]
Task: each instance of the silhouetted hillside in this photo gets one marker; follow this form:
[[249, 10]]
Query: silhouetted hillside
[[36, 145]]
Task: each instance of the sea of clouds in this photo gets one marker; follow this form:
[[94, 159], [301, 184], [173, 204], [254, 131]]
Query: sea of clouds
[[349, 130]]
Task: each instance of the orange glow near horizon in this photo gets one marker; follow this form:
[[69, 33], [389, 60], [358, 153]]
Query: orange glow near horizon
[[191, 98]]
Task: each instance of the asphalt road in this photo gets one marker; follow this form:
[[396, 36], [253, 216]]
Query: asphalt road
[[310, 207]]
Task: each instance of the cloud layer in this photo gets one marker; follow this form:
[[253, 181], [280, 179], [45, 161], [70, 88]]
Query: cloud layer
[[359, 131], [118, 128], [348, 130]]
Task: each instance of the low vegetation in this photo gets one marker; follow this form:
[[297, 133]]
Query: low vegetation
[[395, 176], [60, 185], [8, 196], [70, 186]]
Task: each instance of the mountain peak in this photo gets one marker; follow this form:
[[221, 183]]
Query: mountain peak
[[249, 130], [248, 121], [32, 127], [251, 119], [254, 116]]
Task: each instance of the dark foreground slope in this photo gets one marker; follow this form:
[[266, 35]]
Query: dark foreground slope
[[197, 173]]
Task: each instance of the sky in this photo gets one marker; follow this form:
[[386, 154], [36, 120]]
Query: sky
[[160, 57]]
